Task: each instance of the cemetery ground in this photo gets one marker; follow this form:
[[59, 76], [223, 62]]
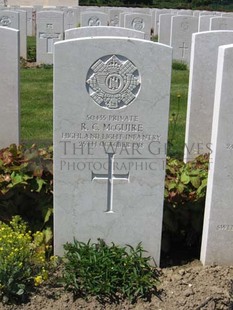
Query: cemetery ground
[[183, 283]]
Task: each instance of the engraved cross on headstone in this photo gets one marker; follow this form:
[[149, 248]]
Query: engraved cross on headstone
[[184, 48], [110, 177], [49, 35]]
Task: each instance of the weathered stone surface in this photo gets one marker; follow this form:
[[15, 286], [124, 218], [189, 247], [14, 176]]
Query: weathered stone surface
[[9, 87], [110, 130], [218, 221]]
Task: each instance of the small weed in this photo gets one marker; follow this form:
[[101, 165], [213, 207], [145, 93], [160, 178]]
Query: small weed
[[45, 66], [176, 65], [154, 38], [108, 272]]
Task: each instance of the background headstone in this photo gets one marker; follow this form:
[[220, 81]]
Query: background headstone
[[93, 19], [50, 29], [110, 131], [185, 12], [221, 23], [182, 29], [103, 31], [202, 78], [29, 11], [9, 18], [114, 16], [164, 35], [204, 22], [23, 33], [218, 220], [9, 87], [155, 19], [70, 18], [140, 22]]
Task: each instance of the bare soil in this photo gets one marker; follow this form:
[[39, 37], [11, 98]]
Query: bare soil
[[187, 287]]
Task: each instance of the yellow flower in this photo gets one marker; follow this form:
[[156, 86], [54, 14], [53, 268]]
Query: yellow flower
[[38, 280]]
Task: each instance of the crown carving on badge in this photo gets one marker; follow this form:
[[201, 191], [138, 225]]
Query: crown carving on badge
[[113, 64]]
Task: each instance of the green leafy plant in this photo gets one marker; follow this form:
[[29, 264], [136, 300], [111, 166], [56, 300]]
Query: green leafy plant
[[185, 190], [177, 65], [111, 272], [154, 38], [26, 180], [22, 260], [31, 49]]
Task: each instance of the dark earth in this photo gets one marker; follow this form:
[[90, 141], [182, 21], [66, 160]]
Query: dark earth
[[186, 287]]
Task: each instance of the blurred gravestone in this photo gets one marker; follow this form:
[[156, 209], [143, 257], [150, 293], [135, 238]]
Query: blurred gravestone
[[103, 31], [50, 29], [202, 78], [218, 221], [182, 29], [9, 87]]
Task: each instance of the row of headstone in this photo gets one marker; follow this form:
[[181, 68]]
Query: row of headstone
[[218, 220], [102, 32], [202, 80], [110, 133], [176, 31], [208, 130]]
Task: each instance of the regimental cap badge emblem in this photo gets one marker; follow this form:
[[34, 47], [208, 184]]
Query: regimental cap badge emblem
[[5, 21], [113, 82], [138, 24], [94, 21]]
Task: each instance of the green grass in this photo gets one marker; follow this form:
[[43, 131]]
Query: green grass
[[177, 118], [37, 106]]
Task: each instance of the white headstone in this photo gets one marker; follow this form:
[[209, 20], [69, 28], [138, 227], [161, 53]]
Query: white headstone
[[50, 29], [202, 78], [227, 14], [20, 23], [204, 23], [110, 129], [103, 31], [165, 21], [196, 13], [29, 11], [122, 19], [182, 29], [204, 13], [9, 18], [185, 12], [140, 22], [221, 23], [93, 19], [218, 220], [23, 33], [9, 87], [155, 19], [70, 18], [114, 17]]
